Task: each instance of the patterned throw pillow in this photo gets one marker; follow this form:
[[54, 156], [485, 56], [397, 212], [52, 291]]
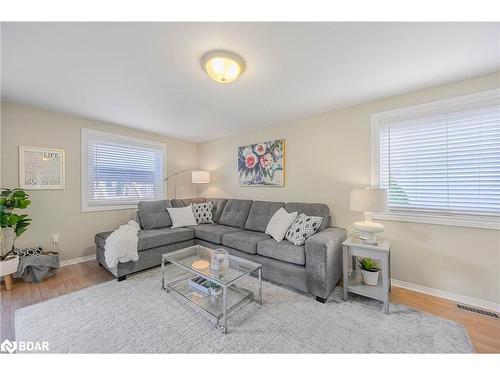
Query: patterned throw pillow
[[28, 252], [203, 212], [302, 228]]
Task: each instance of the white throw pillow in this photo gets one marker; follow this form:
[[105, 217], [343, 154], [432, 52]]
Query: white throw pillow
[[279, 224], [182, 216]]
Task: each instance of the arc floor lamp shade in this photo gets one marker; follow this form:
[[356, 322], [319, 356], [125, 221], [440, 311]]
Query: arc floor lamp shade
[[200, 177]]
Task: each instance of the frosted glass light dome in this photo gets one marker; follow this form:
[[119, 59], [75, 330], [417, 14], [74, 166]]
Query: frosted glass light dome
[[222, 66]]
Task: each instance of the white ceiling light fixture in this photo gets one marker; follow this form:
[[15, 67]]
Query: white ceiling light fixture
[[223, 66]]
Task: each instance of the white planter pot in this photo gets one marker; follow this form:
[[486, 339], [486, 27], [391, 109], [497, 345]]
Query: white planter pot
[[370, 278], [215, 293], [9, 265], [8, 238]]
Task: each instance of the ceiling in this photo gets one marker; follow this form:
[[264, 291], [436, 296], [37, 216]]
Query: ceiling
[[148, 75]]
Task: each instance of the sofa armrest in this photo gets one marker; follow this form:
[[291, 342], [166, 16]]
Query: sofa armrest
[[324, 260]]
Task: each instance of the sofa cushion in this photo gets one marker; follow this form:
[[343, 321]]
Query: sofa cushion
[[154, 214], [283, 250], [260, 214], [163, 236], [187, 201], [177, 203], [153, 237], [311, 209], [213, 232], [100, 238], [219, 204], [235, 213], [244, 240]]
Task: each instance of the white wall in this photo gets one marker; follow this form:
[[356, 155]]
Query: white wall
[[328, 154], [59, 211]]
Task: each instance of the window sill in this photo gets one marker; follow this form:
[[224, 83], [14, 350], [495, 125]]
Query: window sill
[[484, 222], [109, 208]]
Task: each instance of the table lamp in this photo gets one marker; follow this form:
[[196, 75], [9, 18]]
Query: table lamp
[[368, 201]]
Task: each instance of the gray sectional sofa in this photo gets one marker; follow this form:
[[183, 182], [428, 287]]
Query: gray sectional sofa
[[239, 227]]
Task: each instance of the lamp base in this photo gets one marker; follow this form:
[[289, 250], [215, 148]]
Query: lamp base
[[367, 231]]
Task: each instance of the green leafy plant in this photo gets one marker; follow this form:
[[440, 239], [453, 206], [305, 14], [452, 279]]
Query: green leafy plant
[[10, 200], [368, 264], [212, 285]]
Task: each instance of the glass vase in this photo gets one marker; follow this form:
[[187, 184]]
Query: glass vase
[[219, 260]]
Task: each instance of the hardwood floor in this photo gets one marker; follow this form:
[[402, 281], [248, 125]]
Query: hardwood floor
[[483, 331]]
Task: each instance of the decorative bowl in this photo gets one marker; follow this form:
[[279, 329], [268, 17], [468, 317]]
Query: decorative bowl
[[200, 264]]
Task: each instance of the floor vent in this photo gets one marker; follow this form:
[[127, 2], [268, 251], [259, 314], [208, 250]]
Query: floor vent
[[478, 311]]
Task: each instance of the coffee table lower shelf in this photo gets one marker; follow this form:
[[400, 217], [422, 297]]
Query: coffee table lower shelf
[[235, 296]]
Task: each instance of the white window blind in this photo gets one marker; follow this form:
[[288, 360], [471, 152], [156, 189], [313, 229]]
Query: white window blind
[[120, 171], [444, 163]]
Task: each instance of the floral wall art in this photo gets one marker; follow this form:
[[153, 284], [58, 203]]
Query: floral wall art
[[262, 164]]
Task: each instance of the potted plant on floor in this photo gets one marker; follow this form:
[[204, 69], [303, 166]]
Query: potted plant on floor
[[12, 225], [369, 271]]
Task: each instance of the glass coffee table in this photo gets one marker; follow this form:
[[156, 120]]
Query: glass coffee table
[[231, 296]]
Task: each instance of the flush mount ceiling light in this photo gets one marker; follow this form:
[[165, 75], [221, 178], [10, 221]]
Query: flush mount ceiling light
[[223, 66]]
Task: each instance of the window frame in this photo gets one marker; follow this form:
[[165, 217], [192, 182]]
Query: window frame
[[427, 217], [88, 133]]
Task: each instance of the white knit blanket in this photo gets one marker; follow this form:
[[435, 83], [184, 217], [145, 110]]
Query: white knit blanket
[[121, 245]]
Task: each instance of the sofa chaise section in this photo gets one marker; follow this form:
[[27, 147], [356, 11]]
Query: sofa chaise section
[[152, 243]]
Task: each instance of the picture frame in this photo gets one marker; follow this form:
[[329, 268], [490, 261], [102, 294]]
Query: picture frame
[[41, 168], [261, 164]]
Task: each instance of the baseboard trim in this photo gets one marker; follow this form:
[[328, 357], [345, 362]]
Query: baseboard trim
[[484, 304], [76, 260]]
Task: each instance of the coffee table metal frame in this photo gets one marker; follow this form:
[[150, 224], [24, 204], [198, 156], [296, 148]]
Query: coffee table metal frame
[[228, 287]]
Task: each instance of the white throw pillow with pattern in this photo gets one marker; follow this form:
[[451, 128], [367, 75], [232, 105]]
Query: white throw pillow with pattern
[[302, 228], [203, 212]]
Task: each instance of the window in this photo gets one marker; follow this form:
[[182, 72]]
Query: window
[[440, 162], [119, 171]]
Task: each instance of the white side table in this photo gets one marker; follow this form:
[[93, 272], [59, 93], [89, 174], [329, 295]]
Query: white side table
[[7, 268], [354, 247]]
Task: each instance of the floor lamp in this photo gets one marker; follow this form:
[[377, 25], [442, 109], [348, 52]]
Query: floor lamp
[[197, 177]]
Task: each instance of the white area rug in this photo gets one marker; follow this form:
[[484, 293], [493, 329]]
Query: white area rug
[[137, 316]]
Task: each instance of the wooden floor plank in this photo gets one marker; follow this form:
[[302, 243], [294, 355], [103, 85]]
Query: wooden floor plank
[[483, 331]]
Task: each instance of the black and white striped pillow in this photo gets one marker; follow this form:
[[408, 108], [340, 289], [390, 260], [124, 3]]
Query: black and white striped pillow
[[203, 212]]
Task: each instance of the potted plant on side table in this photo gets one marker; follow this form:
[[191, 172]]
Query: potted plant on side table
[[369, 271]]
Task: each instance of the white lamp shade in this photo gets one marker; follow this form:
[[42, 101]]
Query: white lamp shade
[[368, 200], [200, 177]]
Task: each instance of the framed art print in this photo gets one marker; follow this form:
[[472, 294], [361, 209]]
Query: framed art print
[[262, 164], [41, 168]]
